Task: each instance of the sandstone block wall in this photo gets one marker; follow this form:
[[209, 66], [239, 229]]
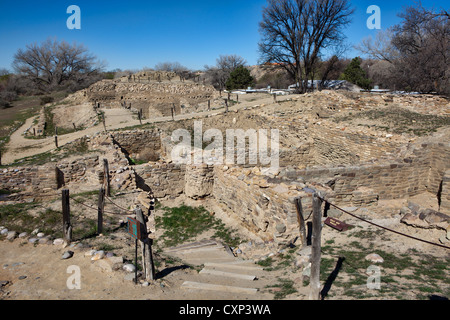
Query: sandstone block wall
[[163, 179], [37, 180], [421, 172], [265, 209], [134, 142]]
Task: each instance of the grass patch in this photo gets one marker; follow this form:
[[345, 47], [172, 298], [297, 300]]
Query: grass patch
[[286, 287], [183, 224]]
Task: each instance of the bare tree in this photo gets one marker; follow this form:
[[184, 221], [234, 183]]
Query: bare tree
[[53, 64], [418, 50], [295, 33], [218, 75]]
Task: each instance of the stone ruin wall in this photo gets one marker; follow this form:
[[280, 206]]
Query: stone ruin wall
[[154, 98], [261, 201]]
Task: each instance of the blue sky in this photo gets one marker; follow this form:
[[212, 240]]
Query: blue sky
[[135, 34]]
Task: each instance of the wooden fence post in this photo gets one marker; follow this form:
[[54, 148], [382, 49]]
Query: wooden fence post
[[101, 207], [104, 121], [146, 248], [106, 178], [56, 137], [301, 221], [316, 248], [209, 105], [140, 116], [67, 227], [226, 105]]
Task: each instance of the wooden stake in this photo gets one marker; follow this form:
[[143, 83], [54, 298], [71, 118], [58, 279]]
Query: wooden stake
[[67, 227], [316, 249], [106, 178], [146, 248], [301, 221], [140, 116], [56, 142], [101, 208], [226, 105], [104, 121]]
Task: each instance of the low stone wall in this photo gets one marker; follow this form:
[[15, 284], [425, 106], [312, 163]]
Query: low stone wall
[[36, 180], [421, 172], [78, 170], [163, 179], [266, 209], [138, 141]]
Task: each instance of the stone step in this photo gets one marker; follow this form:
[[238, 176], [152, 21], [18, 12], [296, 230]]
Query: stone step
[[217, 287], [228, 274], [198, 244], [240, 266]]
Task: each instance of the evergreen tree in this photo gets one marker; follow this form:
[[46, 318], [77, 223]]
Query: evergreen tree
[[240, 78], [356, 75]]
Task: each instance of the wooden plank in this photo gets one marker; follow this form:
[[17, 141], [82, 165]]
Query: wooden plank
[[228, 274], [217, 287]]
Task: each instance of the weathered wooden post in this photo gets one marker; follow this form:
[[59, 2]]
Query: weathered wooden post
[[301, 221], [237, 97], [104, 121], [316, 248], [226, 105], [173, 116], [106, 178], [56, 137], [67, 227], [101, 208], [209, 105], [146, 247]]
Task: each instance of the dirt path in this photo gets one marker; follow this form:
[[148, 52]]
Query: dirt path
[[20, 147]]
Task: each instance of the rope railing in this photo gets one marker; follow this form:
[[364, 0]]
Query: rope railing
[[382, 227]]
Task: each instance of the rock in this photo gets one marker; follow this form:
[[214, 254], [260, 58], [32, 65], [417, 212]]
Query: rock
[[33, 240], [67, 255], [40, 235], [281, 227], [98, 255], [22, 277], [448, 232], [11, 235], [44, 240], [58, 242], [23, 235], [4, 231], [129, 267], [375, 258], [89, 253], [443, 239], [307, 270]]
